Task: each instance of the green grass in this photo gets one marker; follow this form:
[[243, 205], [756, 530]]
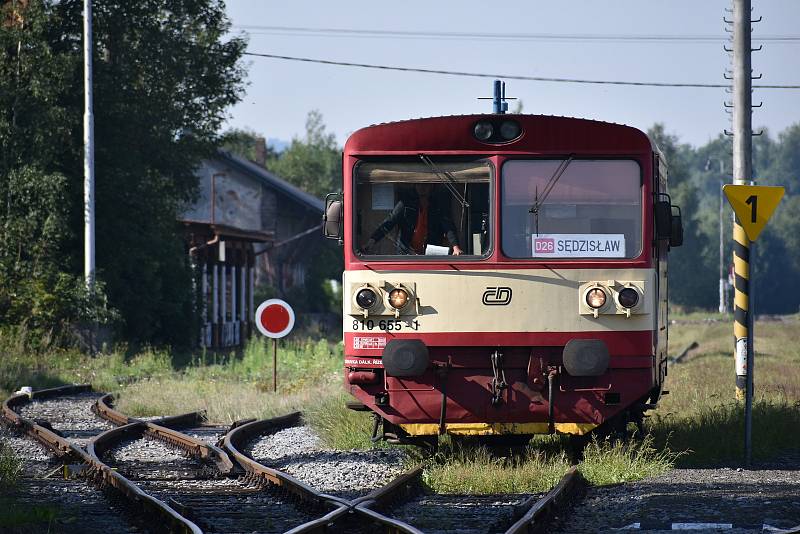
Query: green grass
[[13, 516], [10, 468], [339, 427], [701, 416], [713, 434], [612, 463], [155, 382], [464, 469], [231, 388], [678, 314]]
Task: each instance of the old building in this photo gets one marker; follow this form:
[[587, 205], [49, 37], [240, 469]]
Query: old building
[[248, 228]]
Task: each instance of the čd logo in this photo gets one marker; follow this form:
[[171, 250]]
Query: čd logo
[[497, 296]]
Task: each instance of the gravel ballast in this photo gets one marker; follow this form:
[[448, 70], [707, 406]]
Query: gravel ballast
[[705, 500], [71, 415], [461, 514], [198, 491], [348, 474], [74, 505]]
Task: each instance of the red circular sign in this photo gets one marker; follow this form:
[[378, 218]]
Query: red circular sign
[[274, 318]]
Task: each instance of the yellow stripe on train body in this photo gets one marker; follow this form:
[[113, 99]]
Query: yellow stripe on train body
[[495, 429]]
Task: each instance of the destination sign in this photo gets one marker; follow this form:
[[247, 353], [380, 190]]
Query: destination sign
[[578, 245]]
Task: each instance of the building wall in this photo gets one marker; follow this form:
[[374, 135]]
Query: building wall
[[250, 202], [239, 199], [285, 266]]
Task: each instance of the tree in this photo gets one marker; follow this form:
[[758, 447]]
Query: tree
[[694, 185], [691, 281], [313, 163], [38, 288], [244, 143], [784, 166], [163, 78]]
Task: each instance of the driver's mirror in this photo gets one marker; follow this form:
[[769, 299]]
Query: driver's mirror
[[333, 218], [676, 228], [663, 215]]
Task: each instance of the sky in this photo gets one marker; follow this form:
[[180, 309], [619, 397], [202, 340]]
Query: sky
[[280, 93]]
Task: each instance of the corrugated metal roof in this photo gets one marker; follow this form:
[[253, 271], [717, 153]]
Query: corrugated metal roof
[[271, 180]]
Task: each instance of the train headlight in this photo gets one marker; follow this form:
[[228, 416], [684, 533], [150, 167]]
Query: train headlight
[[628, 297], [366, 298], [483, 130], [398, 298], [595, 298], [510, 130]]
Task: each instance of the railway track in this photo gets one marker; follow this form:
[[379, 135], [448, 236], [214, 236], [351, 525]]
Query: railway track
[[402, 505], [202, 484], [170, 471]]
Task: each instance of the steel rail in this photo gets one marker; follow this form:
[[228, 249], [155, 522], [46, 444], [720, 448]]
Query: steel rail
[[535, 518], [104, 407], [96, 470], [237, 437], [157, 429], [361, 505], [235, 440], [391, 525]]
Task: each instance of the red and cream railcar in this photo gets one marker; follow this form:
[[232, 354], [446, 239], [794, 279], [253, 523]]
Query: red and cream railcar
[[504, 274]]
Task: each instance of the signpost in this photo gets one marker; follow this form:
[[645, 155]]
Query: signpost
[[753, 205], [274, 319]]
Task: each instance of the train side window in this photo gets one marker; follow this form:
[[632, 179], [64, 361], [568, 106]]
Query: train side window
[[422, 208], [570, 208]]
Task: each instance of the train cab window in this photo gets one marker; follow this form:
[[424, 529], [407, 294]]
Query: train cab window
[[428, 207], [571, 208]]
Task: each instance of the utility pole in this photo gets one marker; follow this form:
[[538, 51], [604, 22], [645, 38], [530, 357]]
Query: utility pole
[[723, 301], [88, 151], [742, 247], [742, 175]]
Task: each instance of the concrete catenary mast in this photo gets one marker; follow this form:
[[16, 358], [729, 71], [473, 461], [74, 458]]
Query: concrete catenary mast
[[88, 150], [742, 175]]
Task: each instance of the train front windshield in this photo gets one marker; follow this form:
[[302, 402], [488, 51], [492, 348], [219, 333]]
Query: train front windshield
[[424, 208], [564, 208]]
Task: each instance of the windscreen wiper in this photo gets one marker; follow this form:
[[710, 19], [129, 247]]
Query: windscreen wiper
[[537, 202], [447, 179]]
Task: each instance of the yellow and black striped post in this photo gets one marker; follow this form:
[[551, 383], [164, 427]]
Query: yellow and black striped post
[[741, 301]]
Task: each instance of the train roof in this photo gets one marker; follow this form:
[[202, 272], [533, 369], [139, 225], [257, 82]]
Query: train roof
[[541, 133]]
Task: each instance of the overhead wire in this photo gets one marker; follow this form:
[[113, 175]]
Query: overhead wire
[[510, 76], [368, 33]]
